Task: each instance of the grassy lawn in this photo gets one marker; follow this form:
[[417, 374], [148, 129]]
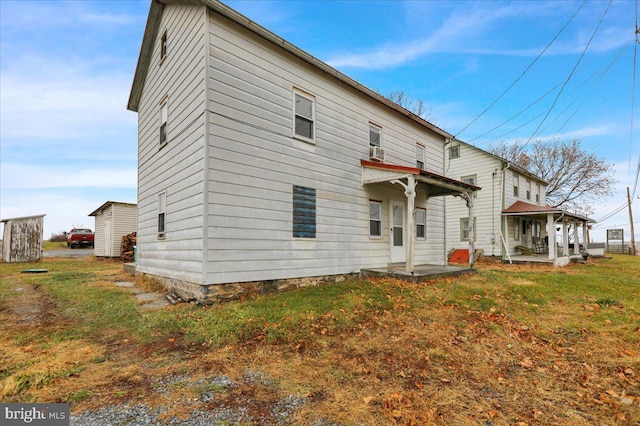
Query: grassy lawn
[[525, 344]]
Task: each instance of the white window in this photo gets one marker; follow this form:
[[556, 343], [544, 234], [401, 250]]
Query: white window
[[537, 193], [421, 223], [517, 225], [471, 180], [516, 185], [420, 155], [528, 189], [375, 135], [375, 218], [464, 228], [164, 114], [454, 151], [162, 214], [304, 116], [163, 46]]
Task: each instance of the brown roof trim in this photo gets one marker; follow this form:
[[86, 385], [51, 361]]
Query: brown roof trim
[[416, 171], [522, 208]]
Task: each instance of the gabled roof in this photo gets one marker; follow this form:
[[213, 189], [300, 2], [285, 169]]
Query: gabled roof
[[151, 33], [520, 208], [110, 203], [511, 165]]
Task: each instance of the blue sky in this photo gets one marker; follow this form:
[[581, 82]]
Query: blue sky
[[68, 144]]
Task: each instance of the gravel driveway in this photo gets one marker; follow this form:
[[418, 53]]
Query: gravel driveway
[[67, 252]]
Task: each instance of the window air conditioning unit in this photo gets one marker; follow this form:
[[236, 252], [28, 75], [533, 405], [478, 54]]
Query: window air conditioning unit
[[376, 153]]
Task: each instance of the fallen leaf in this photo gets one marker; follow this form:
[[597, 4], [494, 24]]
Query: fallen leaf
[[613, 393], [443, 380], [526, 363], [367, 400]]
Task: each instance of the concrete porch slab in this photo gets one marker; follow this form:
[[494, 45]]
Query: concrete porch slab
[[421, 272]]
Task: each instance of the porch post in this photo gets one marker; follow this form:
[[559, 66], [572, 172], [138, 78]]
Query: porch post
[[410, 192], [551, 236], [565, 238], [585, 235], [472, 247], [576, 242]]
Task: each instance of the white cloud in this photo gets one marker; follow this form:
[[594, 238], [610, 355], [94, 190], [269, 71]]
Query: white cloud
[[27, 176], [466, 31], [68, 101]]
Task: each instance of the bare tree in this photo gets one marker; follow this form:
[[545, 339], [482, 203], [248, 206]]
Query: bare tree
[[576, 177], [416, 106]]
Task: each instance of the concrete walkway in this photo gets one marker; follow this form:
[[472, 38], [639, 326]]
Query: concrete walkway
[[145, 300]]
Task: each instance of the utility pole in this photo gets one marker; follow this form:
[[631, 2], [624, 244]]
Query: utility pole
[[633, 238]]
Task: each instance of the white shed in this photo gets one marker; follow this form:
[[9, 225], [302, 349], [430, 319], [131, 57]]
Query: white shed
[[22, 239], [113, 221]]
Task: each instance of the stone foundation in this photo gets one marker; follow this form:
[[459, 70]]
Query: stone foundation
[[216, 293]]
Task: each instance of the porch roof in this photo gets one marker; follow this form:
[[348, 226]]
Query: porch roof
[[374, 172], [520, 208]]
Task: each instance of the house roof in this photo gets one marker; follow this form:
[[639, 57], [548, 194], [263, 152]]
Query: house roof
[[151, 32], [438, 185], [520, 208], [23, 217], [110, 203], [511, 165]]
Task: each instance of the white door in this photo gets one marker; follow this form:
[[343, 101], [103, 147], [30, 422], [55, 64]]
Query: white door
[[108, 242], [397, 234]]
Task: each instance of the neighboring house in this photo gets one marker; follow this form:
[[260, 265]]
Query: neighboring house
[[22, 239], [114, 220], [259, 162], [511, 215]]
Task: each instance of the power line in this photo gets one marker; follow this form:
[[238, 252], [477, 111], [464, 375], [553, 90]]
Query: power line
[[523, 72], [584, 51]]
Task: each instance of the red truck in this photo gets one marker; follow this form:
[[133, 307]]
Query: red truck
[[78, 237]]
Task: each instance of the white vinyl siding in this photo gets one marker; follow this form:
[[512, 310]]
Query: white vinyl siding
[[178, 166], [254, 162]]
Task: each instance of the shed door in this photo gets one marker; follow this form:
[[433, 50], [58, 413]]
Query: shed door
[[397, 236], [108, 240]]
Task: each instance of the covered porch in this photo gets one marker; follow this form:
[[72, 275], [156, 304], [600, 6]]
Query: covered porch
[[433, 185], [538, 227]]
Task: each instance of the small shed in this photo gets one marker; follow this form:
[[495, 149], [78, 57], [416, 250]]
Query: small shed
[[113, 221], [22, 239]]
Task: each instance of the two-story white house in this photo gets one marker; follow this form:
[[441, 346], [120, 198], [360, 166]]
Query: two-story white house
[[510, 213], [257, 162]]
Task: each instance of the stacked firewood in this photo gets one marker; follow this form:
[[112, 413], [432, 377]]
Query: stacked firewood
[[126, 248]]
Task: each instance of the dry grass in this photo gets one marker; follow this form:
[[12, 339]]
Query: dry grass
[[525, 344]]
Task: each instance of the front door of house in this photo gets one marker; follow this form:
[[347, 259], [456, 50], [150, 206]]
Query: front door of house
[[397, 234]]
